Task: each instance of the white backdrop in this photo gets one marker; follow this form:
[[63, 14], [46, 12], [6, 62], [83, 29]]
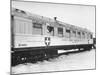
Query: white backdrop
[[5, 37]]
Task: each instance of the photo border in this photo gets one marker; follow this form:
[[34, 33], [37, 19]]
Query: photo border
[[48, 3]]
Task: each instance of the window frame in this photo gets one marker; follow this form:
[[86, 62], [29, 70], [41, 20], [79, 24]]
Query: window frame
[[69, 32], [51, 30], [83, 35], [91, 36], [79, 34], [34, 26], [74, 32], [60, 33]]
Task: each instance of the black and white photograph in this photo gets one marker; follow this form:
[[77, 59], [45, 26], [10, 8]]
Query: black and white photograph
[[52, 37]]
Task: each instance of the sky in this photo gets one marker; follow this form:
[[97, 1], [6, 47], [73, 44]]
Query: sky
[[78, 15]]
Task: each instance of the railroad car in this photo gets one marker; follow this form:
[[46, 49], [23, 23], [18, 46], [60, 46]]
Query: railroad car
[[34, 36]]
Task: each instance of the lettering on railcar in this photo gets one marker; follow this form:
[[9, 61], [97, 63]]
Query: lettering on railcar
[[22, 44]]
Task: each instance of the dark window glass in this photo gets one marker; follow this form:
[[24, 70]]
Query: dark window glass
[[74, 33], [60, 31], [67, 34], [68, 31], [91, 36], [50, 30], [83, 35], [79, 34]]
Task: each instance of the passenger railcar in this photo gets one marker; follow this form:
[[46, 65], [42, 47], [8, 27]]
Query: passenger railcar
[[35, 36]]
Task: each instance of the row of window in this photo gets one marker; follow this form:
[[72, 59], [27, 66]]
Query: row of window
[[60, 32], [27, 28]]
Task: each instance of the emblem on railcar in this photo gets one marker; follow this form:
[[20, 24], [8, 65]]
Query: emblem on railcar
[[47, 41]]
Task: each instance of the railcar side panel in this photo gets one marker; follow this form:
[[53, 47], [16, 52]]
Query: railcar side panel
[[22, 41]]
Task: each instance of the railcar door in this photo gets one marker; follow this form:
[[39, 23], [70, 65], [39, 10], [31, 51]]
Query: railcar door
[[49, 30], [49, 33]]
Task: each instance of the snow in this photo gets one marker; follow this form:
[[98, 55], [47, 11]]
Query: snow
[[75, 61]]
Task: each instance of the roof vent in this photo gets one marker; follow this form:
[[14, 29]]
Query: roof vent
[[21, 11], [55, 18], [16, 9]]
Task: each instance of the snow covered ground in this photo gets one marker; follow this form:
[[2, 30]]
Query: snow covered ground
[[75, 61]]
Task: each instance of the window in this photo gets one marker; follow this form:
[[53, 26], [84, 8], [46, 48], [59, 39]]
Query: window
[[83, 35], [37, 28], [67, 33], [37, 25], [50, 30], [79, 34], [60, 32], [91, 36], [74, 34], [88, 36], [21, 26]]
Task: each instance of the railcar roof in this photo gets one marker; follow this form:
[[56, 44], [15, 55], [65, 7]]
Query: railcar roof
[[42, 19]]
